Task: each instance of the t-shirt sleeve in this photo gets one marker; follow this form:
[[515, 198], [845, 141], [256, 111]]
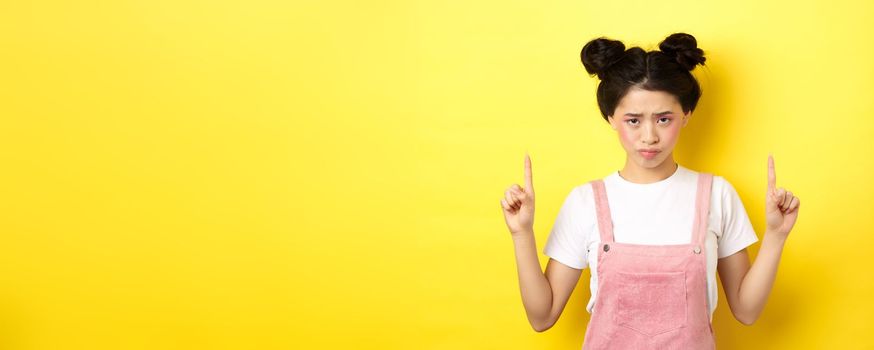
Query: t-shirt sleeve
[[567, 239], [737, 230]]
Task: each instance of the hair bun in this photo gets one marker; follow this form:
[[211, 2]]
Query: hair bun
[[601, 53], [684, 48]]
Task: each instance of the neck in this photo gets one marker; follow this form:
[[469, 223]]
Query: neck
[[635, 173]]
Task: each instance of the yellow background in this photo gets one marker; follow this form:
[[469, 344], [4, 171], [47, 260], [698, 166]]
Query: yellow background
[[327, 174]]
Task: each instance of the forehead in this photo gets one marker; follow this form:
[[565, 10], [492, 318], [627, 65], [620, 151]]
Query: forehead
[[640, 100]]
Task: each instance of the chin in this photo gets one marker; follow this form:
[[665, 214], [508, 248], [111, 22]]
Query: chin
[[650, 163]]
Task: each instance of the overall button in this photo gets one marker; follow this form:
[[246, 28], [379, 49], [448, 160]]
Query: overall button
[[606, 247], [697, 250]]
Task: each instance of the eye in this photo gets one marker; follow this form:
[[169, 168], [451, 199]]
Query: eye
[[631, 120], [667, 119]]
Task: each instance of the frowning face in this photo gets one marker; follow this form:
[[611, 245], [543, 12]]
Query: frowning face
[[648, 124]]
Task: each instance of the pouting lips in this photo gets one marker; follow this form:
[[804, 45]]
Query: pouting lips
[[648, 155]]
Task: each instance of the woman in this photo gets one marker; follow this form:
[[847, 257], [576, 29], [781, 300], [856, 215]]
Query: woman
[[654, 232]]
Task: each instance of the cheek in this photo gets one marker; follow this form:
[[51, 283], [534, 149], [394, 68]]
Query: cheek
[[671, 133], [626, 136]]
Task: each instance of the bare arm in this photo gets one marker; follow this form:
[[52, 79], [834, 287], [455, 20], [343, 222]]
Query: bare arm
[[747, 288], [543, 295]]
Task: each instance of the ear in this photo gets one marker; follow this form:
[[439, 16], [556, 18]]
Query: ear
[[686, 118], [612, 122]]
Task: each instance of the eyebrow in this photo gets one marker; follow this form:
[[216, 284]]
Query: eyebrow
[[641, 114]]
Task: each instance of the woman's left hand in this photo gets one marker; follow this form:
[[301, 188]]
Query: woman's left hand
[[781, 206]]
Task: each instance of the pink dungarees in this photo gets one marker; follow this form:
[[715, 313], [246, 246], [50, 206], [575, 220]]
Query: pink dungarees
[[651, 296]]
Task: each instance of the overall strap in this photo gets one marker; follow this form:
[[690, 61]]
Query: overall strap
[[605, 223], [702, 209]]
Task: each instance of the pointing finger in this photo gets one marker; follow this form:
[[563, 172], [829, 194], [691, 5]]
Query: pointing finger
[[772, 177], [529, 183]]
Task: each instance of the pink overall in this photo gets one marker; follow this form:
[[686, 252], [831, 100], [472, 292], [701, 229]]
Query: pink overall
[[651, 296]]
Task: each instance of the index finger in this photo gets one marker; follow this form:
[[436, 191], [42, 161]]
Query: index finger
[[529, 184], [772, 178]]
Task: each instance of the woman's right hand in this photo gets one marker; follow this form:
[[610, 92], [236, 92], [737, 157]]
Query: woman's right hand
[[518, 205]]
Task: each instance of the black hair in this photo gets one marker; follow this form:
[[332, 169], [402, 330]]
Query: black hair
[[667, 69]]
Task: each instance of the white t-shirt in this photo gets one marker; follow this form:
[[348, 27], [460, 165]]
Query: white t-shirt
[[656, 213]]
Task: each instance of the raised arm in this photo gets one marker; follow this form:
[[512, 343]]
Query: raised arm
[[747, 288], [544, 295]]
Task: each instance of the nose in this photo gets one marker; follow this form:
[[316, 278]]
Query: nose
[[649, 136]]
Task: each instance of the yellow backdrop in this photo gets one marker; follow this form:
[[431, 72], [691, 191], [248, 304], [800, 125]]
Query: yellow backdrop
[[327, 174]]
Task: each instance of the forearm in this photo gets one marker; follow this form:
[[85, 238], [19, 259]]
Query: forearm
[[536, 292], [756, 285]]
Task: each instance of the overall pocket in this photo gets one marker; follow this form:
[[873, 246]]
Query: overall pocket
[[652, 302]]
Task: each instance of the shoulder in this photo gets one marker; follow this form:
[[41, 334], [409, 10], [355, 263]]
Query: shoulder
[[582, 195], [725, 201], [720, 187], [722, 192], [579, 204]]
